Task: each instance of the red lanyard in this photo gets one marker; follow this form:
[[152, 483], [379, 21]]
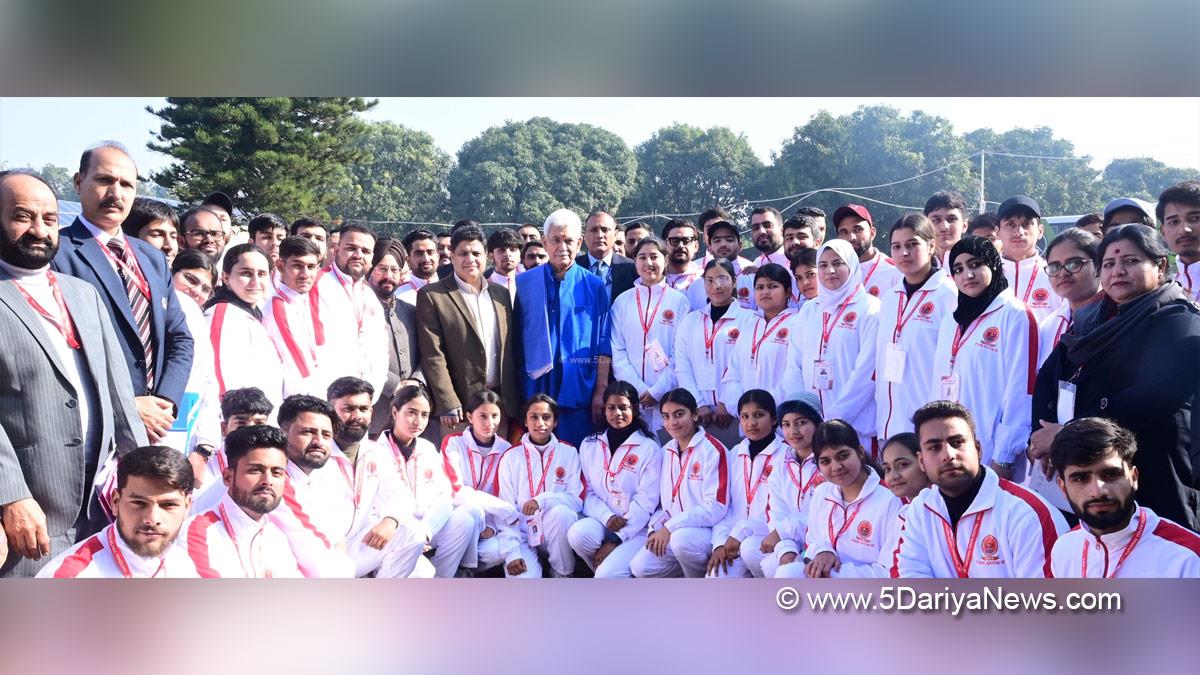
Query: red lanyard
[[710, 338], [546, 464], [813, 480], [905, 304], [486, 464], [959, 338], [689, 276], [682, 470], [833, 538], [349, 289], [647, 319], [133, 271], [408, 478], [233, 538], [607, 460], [1133, 541], [748, 464], [963, 569], [62, 322], [755, 343], [120, 557], [827, 327], [878, 260], [1064, 324], [1017, 280]]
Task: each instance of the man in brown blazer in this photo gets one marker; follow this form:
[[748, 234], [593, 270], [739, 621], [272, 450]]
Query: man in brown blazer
[[463, 327]]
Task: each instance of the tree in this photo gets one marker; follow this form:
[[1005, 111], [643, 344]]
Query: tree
[[685, 169], [1142, 178], [62, 180], [401, 175], [522, 171], [1067, 186], [286, 155]]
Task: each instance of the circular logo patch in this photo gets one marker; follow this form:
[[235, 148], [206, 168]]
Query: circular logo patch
[[990, 546], [668, 315], [560, 473], [428, 474], [874, 290], [850, 318], [743, 292], [864, 529], [696, 468], [991, 335], [631, 460], [927, 309], [1041, 295], [734, 333], [783, 333]]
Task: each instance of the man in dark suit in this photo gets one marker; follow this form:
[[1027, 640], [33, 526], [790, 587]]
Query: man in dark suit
[[134, 283], [602, 258], [463, 327], [66, 403]]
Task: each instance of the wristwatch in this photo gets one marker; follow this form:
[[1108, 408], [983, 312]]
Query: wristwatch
[[204, 451]]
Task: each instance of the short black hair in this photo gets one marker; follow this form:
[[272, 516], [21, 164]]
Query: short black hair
[[987, 219], [503, 238], [459, 223], [941, 410], [265, 222], [1085, 440], [638, 225], [759, 210], [157, 462], [1187, 192], [245, 401], [145, 211], [360, 229], [945, 199], [415, 236], [810, 211], [303, 223], [242, 440], [1089, 219], [716, 213], [85, 160], [298, 404], [348, 386], [536, 243], [676, 223], [194, 259], [292, 247], [408, 393], [469, 232], [800, 222], [807, 257]]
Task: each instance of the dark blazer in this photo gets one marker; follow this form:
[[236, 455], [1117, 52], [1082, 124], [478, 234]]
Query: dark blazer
[[42, 453], [80, 255], [623, 272], [452, 352], [404, 360]]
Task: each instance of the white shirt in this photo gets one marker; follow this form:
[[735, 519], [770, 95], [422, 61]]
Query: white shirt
[[749, 490], [621, 481], [1160, 549], [682, 281], [407, 290], [1014, 532], [105, 555], [694, 485], [643, 340], [227, 543], [483, 314], [1030, 284], [856, 531], [909, 325], [356, 334], [1188, 276], [508, 282], [703, 350]]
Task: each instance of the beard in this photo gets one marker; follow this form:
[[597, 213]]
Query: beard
[[1106, 521], [309, 461], [681, 257], [147, 550], [859, 250], [260, 502], [766, 244], [350, 433], [19, 252]]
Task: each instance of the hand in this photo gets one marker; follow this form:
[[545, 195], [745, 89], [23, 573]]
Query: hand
[[597, 407], [722, 418], [25, 526], [733, 548], [452, 418], [602, 553], [769, 542], [156, 415], [787, 558], [516, 568], [487, 533], [3, 549], [749, 269], [530, 507], [616, 523], [1040, 440], [381, 534], [1005, 472], [820, 566], [658, 541], [717, 561], [706, 415], [647, 400], [199, 466]]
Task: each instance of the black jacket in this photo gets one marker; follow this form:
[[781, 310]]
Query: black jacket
[[1145, 377], [623, 273]]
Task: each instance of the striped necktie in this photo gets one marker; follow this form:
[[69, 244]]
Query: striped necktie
[[138, 302]]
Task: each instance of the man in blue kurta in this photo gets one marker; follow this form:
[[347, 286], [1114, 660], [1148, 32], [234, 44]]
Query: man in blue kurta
[[562, 314]]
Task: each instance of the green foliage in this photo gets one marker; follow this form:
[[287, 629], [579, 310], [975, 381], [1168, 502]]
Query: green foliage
[[62, 180], [522, 171], [286, 155], [1061, 187], [1142, 178]]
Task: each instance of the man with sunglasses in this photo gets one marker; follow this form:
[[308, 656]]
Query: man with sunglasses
[[683, 243]]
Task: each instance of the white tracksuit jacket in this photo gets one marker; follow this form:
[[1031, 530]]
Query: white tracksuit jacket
[[744, 284], [1051, 329], [202, 381], [850, 353], [1160, 549], [292, 323], [880, 275], [1030, 284], [356, 334], [1014, 529], [633, 471], [759, 359], [912, 325], [696, 293], [699, 365], [749, 491], [243, 354], [694, 484], [552, 477], [996, 368], [640, 317], [792, 489], [1188, 276], [317, 515], [105, 555], [227, 543], [857, 532]]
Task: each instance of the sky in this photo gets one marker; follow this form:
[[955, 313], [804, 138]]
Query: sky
[[38, 131]]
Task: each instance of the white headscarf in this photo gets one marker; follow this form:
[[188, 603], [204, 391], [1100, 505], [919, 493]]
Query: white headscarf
[[843, 249]]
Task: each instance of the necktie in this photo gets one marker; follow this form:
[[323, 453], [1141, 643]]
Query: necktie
[[138, 303], [600, 269]]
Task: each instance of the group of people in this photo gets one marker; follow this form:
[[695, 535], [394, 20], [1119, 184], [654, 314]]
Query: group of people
[[592, 399]]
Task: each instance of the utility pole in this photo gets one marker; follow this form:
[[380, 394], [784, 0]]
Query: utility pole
[[982, 199]]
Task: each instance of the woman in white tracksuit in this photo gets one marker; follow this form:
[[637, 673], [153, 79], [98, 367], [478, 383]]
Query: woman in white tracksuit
[[243, 354], [791, 488], [644, 319], [472, 459], [693, 495], [621, 468], [910, 316], [852, 516], [833, 352], [752, 463], [986, 356], [760, 357], [704, 344]]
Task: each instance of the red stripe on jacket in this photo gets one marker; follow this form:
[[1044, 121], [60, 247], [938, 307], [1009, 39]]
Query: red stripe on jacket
[[289, 498], [197, 544], [214, 335], [75, 563], [1178, 535], [1049, 533]]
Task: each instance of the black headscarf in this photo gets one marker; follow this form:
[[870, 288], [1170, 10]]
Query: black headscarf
[[970, 308], [223, 294]]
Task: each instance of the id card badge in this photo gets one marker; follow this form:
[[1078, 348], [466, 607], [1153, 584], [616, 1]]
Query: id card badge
[[706, 374], [1066, 402], [822, 375], [620, 502], [894, 360], [656, 357], [534, 525], [949, 387]]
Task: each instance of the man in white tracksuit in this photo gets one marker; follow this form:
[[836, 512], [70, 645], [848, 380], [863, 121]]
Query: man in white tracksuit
[[291, 318], [1020, 229]]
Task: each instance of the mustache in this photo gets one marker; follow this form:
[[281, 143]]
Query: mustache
[[151, 530], [112, 201]]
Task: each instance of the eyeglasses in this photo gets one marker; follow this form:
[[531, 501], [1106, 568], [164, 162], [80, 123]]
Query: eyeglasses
[[215, 235], [718, 281], [681, 241], [1072, 266]]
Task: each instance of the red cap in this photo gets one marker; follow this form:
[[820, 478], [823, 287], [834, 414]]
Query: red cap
[[852, 210]]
